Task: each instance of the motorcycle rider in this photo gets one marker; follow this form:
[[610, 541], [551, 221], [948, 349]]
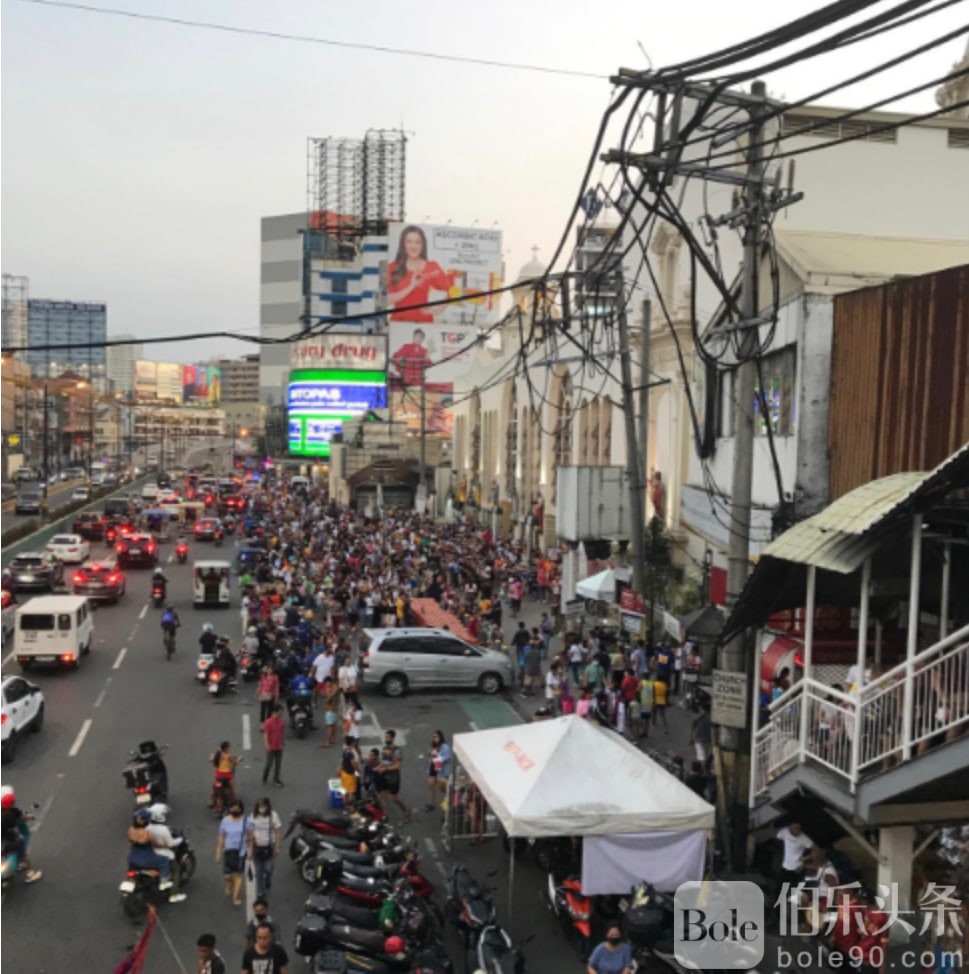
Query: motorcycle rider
[[169, 618], [165, 844], [207, 640], [159, 578], [225, 658], [300, 691], [143, 854], [14, 831]]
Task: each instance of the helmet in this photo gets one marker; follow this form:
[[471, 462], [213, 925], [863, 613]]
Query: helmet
[[8, 797], [394, 945], [208, 627], [158, 570], [158, 812], [141, 817], [251, 631], [168, 605]]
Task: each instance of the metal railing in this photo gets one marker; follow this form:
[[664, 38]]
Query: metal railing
[[856, 734]]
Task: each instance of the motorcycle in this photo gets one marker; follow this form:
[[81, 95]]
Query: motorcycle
[[301, 715], [140, 887], [249, 666], [469, 905], [307, 849], [181, 552], [647, 922], [12, 856], [218, 681], [158, 594], [567, 902], [362, 825], [333, 960], [146, 775], [494, 953], [202, 666], [333, 875]]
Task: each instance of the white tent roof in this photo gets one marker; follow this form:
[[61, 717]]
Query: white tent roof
[[601, 586], [569, 776]]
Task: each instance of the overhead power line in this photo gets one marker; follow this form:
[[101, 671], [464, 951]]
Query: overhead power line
[[325, 41]]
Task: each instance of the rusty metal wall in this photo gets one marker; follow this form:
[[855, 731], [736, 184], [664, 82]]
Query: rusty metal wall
[[899, 378]]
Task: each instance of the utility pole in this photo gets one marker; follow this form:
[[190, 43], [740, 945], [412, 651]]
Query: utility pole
[[634, 463], [422, 483], [644, 389], [734, 742]]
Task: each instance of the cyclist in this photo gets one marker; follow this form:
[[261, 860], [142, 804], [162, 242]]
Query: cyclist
[[169, 623]]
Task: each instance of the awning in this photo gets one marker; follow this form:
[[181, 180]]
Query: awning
[[601, 587]]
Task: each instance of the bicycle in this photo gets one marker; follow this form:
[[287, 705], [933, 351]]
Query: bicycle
[[169, 642]]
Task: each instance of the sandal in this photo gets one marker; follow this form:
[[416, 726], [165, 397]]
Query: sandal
[[33, 876]]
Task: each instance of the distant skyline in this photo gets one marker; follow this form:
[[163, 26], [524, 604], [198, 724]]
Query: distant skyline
[[138, 157]]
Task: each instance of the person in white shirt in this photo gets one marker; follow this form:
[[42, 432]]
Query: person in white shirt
[[553, 688], [323, 665], [576, 659], [796, 844], [164, 843]]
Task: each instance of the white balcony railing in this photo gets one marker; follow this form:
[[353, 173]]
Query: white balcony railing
[[856, 734]]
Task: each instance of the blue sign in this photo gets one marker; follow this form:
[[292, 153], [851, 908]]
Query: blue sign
[[335, 397]]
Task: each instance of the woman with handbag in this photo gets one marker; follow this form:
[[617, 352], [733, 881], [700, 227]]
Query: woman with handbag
[[264, 843], [231, 850]]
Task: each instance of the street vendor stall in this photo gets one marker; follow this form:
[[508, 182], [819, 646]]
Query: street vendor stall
[[570, 777]]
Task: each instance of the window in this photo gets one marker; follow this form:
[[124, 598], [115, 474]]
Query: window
[[406, 645], [339, 285], [338, 309], [439, 646], [777, 372], [16, 690], [37, 622], [64, 622]]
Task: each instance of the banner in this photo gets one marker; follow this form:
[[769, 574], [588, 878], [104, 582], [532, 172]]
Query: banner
[[134, 963], [332, 351], [430, 262], [201, 384], [405, 407]]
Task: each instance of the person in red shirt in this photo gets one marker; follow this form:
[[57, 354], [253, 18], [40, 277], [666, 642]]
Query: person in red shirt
[[274, 737], [411, 277], [412, 360]]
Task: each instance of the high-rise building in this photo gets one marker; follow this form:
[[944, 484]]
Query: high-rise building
[[121, 364], [16, 293], [240, 378], [67, 336]]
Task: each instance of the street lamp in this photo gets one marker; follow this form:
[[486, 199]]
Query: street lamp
[[84, 384]]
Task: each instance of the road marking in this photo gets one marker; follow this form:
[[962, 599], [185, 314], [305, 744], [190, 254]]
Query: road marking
[[246, 733], [120, 659], [44, 809], [9, 656], [171, 558], [100, 700], [79, 741], [144, 612]]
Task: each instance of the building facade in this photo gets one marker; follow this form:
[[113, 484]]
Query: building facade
[[120, 364], [16, 294], [80, 329], [240, 378]]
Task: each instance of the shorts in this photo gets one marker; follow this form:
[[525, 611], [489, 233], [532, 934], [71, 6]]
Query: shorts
[[330, 718], [223, 776], [348, 782], [390, 782]]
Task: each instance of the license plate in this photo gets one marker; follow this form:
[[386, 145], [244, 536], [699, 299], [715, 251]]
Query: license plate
[[142, 799], [127, 886], [45, 659], [213, 688]]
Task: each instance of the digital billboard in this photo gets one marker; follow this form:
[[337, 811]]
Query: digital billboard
[[430, 262], [319, 400], [201, 384], [158, 381]]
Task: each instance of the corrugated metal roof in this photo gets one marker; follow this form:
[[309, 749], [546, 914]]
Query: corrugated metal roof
[[840, 537]]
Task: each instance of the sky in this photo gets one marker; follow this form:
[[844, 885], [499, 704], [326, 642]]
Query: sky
[[137, 158]]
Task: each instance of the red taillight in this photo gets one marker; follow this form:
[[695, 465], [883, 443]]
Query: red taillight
[[120, 548], [131, 874], [3, 719], [141, 790], [78, 578], [215, 676], [66, 658], [115, 577]]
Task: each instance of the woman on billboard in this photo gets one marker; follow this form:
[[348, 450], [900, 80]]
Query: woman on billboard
[[411, 277]]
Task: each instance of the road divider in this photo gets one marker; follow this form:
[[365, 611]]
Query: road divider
[[246, 733], [79, 740]]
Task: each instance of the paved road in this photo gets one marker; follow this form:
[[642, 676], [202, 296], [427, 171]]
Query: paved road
[[126, 692], [59, 495]]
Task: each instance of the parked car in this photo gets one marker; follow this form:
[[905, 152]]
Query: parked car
[[35, 570], [23, 710], [398, 659], [26, 475], [82, 493], [9, 491], [90, 525], [99, 581], [137, 549], [68, 548]]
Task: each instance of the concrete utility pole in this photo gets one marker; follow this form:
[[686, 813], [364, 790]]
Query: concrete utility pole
[[734, 754], [634, 463], [644, 390]]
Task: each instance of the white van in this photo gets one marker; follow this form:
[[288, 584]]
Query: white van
[[54, 630]]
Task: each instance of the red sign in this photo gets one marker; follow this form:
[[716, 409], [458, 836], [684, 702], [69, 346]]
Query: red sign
[[629, 601]]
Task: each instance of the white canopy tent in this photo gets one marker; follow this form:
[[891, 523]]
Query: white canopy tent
[[601, 586], [569, 776]]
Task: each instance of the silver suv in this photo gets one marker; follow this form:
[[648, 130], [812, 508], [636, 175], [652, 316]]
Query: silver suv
[[397, 659]]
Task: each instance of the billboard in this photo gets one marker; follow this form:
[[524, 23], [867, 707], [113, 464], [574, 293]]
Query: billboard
[[332, 351], [429, 262], [201, 383], [405, 406], [319, 400], [158, 381]]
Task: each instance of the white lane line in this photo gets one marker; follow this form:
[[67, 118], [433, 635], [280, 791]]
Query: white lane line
[[144, 610], [44, 809], [9, 656], [79, 741], [120, 659], [246, 733], [100, 700], [170, 559]]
